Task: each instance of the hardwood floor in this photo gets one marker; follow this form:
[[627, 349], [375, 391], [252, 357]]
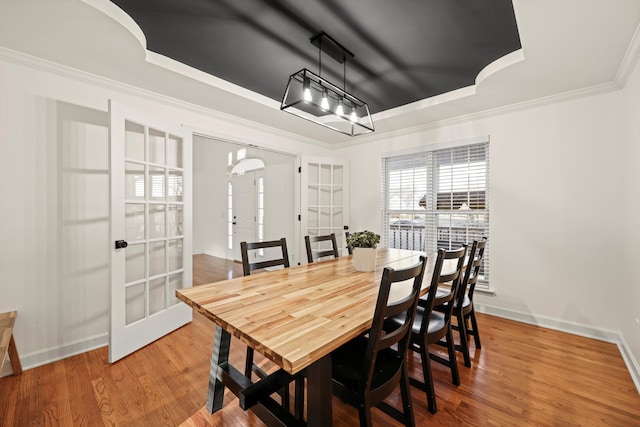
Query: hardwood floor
[[207, 269], [523, 375]]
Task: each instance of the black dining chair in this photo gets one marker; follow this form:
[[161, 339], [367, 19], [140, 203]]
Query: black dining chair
[[431, 327], [463, 310], [321, 252], [460, 293], [281, 258], [367, 369], [467, 313], [247, 256]]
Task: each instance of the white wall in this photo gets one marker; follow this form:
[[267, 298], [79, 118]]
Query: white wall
[[563, 178], [54, 260], [629, 308]]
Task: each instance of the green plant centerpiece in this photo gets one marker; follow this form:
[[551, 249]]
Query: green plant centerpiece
[[364, 244], [363, 239]]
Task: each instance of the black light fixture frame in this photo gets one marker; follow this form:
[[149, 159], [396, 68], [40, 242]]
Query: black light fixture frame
[[357, 119]]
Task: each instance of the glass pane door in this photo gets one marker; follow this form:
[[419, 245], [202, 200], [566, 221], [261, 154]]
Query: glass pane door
[[325, 199], [150, 196]]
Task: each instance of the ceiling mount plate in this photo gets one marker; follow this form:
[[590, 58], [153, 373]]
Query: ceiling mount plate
[[328, 45]]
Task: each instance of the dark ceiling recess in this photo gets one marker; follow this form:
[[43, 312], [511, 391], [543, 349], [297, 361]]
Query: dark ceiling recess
[[403, 51]]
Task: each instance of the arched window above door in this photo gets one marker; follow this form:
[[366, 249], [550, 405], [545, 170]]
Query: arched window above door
[[246, 165]]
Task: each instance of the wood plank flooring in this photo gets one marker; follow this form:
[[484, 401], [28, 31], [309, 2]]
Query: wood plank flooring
[[523, 376]]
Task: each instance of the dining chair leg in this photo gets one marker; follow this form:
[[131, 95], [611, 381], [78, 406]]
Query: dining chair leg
[[464, 344], [365, 416], [453, 360], [428, 379], [474, 324], [405, 391]]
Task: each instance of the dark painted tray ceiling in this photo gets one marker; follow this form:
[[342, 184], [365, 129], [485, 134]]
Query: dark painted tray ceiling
[[404, 51]]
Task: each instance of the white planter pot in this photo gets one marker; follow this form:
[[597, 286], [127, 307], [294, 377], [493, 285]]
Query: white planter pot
[[364, 259]]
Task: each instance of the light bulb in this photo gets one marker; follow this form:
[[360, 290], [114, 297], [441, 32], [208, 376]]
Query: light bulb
[[324, 105], [339, 109], [354, 116], [306, 94]]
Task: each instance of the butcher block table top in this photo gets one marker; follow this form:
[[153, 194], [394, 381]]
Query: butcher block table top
[[295, 316]]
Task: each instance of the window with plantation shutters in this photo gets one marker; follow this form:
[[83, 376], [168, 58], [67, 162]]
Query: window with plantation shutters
[[437, 199]]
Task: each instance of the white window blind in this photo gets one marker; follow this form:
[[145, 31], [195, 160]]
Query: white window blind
[[437, 200]]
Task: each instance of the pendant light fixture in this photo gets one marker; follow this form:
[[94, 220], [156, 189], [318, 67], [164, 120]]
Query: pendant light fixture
[[313, 98]]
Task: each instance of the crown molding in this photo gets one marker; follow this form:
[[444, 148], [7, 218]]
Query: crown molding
[[630, 60], [43, 65], [520, 106], [453, 95]]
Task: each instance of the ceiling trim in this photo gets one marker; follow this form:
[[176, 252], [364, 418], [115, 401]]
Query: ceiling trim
[[630, 59], [206, 78], [40, 64], [121, 17], [539, 102], [492, 68]]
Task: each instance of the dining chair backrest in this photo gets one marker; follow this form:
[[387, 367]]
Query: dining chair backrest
[[367, 369], [321, 252], [380, 336], [435, 327], [463, 308], [468, 276], [474, 268], [452, 276], [248, 267]]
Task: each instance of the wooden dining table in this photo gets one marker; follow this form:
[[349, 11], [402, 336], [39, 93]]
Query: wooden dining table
[[295, 317]]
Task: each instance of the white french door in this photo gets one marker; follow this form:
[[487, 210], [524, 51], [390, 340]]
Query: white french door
[[150, 228], [245, 210], [324, 198]]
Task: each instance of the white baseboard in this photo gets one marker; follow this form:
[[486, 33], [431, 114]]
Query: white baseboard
[[571, 328], [42, 357]]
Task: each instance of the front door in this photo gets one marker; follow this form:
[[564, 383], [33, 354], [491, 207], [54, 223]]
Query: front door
[[150, 228], [244, 210]]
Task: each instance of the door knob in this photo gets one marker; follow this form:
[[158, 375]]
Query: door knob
[[121, 244]]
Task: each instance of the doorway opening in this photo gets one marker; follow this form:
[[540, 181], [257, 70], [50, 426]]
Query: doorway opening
[[258, 186]]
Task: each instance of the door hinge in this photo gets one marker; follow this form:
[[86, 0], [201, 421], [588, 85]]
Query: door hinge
[[299, 169], [299, 217]]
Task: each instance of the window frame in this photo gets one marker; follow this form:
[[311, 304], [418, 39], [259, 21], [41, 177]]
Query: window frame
[[414, 224]]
